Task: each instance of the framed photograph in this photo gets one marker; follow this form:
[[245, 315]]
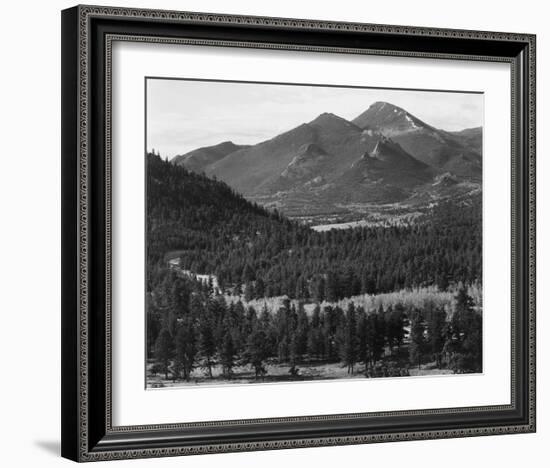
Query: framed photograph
[[292, 233]]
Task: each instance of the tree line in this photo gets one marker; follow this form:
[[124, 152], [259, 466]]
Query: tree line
[[191, 329], [260, 253]]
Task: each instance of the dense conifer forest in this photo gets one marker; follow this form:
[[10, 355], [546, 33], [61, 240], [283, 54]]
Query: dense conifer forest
[[193, 332], [216, 231]]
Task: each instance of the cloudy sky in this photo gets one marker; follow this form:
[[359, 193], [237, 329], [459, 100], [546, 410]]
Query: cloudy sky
[[184, 115]]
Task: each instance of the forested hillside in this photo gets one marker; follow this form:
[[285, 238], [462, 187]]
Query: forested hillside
[[215, 231], [256, 254]]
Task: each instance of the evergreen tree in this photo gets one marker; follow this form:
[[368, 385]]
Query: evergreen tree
[[302, 290], [348, 339], [293, 354], [437, 332], [259, 288], [249, 292], [363, 354], [319, 294], [315, 340], [332, 287], [154, 324], [330, 324], [472, 346], [418, 344], [466, 335], [248, 273], [257, 351], [186, 348], [266, 324], [302, 330], [395, 323], [464, 312], [227, 353], [378, 331], [164, 349], [207, 341], [236, 326]]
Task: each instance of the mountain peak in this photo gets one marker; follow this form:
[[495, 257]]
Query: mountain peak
[[389, 118], [380, 105], [330, 121], [226, 143]]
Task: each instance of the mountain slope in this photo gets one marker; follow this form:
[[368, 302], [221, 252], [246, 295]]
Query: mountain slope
[[215, 231], [432, 146], [385, 175], [322, 149], [389, 119], [183, 205], [247, 169], [197, 160], [331, 165], [471, 138]]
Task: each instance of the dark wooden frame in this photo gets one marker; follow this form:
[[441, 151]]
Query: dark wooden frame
[[87, 35]]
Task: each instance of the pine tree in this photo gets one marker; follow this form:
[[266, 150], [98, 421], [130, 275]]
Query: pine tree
[[257, 351], [330, 324], [249, 292], [372, 338], [463, 346], [164, 350], [293, 353], [248, 273], [266, 323], [302, 330], [418, 343], [349, 345], [332, 287], [179, 297], [466, 327], [378, 331], [154, 324], [464, 312], [315, 346], [186, 348], [227, 350], [363, 352], [395, 322], [302, 291], [207, 342], [472, 345], [259, 288], [319, 294], [437, 333], [236, 326]]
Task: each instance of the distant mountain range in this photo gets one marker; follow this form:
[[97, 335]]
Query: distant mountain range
[[384, 156]]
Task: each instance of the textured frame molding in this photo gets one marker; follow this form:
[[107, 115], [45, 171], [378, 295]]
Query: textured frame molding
[[79, 45]]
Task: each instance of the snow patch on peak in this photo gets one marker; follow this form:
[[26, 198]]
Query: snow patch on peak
[[411, 122]]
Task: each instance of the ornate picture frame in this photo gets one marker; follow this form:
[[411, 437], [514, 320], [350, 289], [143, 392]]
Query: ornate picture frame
[[88, 34]]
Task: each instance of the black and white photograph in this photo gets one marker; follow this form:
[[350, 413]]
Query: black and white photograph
[[283, 229], [299, 232]]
